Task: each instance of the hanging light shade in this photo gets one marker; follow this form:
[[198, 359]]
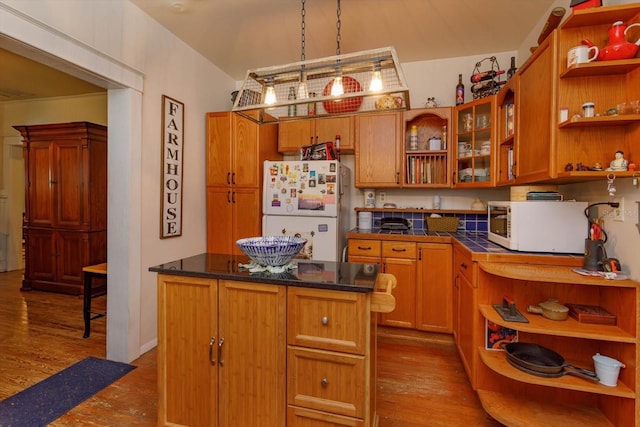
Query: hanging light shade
[[355, 70]]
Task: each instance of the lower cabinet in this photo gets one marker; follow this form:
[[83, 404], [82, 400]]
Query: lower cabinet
[[331, 379], [56, 258], [218, 340], [423, 271], [465, 309], [434, 293], [234, 353]]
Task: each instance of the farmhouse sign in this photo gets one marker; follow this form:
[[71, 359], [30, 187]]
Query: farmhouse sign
[[172, 163]]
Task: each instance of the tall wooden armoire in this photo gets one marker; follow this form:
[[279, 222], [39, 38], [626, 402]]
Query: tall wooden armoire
[[65, 219]]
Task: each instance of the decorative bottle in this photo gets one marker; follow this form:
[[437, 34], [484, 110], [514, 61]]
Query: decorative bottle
[[485, 75], [460, 91], [413, 139], [291, 111]]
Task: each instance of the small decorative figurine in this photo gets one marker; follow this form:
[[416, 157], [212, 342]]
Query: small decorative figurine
[[568, 167], [619, 163], [431, 102]]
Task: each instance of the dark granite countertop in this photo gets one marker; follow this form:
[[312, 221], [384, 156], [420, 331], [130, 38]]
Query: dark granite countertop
[[351, 277]]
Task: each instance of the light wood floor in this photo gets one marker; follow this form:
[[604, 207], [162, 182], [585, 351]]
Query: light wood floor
[[421, 381]]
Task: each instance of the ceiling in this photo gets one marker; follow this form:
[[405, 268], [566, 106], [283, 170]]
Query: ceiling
[[238, 35]]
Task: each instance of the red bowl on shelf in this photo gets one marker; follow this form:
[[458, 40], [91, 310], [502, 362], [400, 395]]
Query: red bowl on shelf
[[349, 105]]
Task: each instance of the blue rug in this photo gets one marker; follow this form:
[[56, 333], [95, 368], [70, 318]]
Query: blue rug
[[47, 400]]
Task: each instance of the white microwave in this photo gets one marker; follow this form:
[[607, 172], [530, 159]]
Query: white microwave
[[539, 225]]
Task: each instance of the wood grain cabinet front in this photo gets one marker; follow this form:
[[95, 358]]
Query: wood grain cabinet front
[[221, 353], [295, 134], [65, 203], [331, 358]]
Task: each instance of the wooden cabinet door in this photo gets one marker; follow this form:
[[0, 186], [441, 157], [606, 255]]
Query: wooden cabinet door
[[434, 291], [467, 312], [293, 135], [41, 263], [40, 204], [405, 293], [68, 189], [219, 149], [73, 254], [252, 357], [536, 123], [377, 158], [219, 220], [247, 221], [328, 128], [245, 171], [187, 351]]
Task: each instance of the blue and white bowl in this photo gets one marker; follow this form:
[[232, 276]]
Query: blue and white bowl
[[272, 251]]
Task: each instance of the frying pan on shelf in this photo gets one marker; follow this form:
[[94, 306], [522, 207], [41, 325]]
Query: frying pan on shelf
[[538, 360]]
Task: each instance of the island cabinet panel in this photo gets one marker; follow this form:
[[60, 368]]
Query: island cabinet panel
[[221, 352], [65, 203], [331, 358]]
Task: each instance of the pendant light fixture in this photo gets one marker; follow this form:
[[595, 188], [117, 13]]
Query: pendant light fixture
[[343, 84]]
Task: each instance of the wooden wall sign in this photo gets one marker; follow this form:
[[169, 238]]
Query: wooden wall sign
[[172, 164]]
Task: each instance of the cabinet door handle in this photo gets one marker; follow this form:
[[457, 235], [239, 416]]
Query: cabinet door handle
[[463, 265], [233, 178], [211, 343], [325, 320], [420, 254], [397, 177], [220, 361], [233, 197], [364, 248], [228, 196], [228, 177], [324, 382], [399, 249], [53, 181]]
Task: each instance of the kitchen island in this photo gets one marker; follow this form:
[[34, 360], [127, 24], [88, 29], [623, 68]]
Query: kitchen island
[[276, 349]]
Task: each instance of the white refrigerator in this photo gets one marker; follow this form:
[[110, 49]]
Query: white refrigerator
[[308, 199]]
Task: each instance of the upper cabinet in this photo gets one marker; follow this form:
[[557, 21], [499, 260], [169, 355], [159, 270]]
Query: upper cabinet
[[536, 115], [293, 135], [425, 146], [378, 156], [474, 143], [593, 141], [553, 141], [506, 126]]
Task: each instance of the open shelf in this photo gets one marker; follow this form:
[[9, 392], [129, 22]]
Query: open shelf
[[521, 411], [496, 360], [618, 120], [601, 68], [565, 328]]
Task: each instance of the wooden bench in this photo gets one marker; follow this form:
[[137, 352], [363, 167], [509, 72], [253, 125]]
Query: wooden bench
[[90, 272]]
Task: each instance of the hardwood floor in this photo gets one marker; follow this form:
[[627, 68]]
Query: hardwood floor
[[421, 381]]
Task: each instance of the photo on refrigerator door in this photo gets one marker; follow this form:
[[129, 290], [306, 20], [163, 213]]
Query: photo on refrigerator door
[[311, 202]]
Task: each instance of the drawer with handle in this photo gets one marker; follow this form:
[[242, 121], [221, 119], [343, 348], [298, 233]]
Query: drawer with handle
[[359, 247], [399, 250]]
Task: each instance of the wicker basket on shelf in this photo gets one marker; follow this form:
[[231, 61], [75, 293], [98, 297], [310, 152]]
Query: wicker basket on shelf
[[444, 224]]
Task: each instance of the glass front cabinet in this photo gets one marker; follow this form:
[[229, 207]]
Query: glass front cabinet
[[474, 144]]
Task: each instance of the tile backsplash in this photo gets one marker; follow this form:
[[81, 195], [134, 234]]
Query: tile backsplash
[[468, 222]]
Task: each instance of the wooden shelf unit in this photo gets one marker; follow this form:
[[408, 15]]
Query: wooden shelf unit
[[423, 167], [567, 398]]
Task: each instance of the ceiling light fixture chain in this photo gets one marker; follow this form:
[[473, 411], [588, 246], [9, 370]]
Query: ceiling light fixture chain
[[338, 26], [302, 28]]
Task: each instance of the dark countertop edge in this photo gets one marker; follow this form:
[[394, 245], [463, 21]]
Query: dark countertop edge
[[241, 276]]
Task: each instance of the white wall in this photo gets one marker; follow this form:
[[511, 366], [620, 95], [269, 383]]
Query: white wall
[[120, 30]]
